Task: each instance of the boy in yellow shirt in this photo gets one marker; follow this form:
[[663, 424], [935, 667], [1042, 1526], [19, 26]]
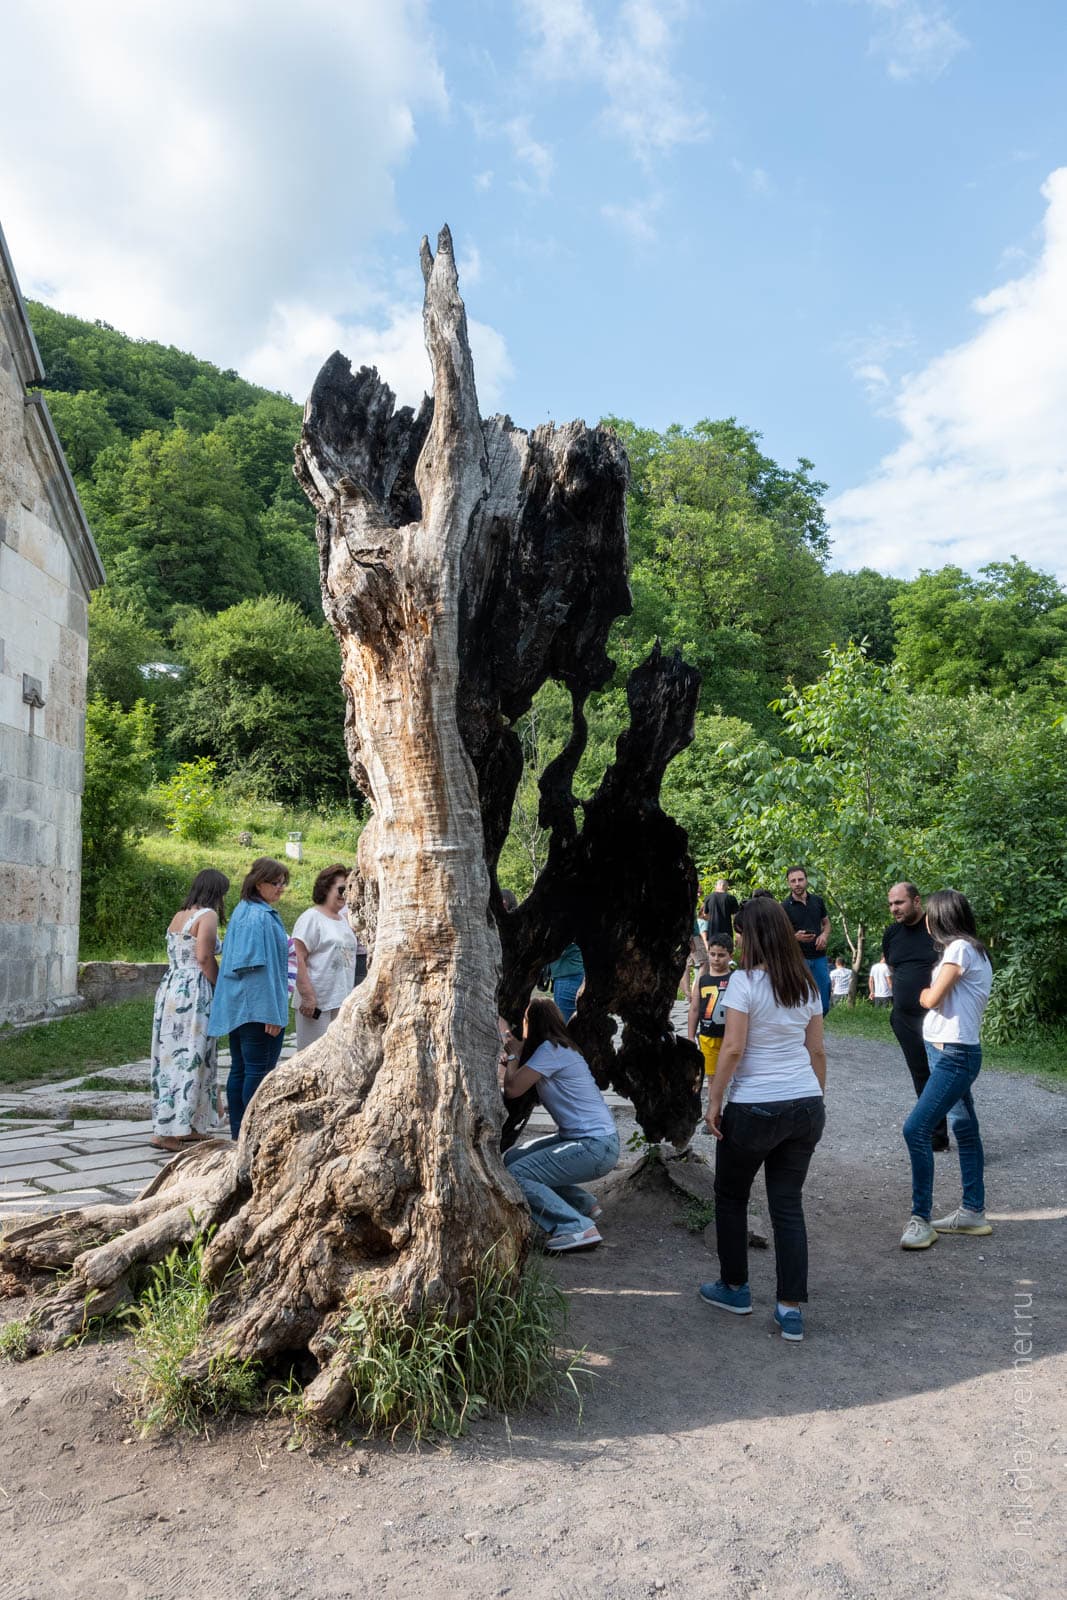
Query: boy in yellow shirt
[[707, 1015]]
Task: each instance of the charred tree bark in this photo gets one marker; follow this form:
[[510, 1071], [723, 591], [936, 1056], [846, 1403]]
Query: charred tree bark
[[463, 563]]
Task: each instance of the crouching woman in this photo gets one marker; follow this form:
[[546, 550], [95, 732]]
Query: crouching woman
[[550, 1171]]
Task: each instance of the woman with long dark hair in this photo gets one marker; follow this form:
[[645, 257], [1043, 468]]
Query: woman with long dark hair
[[549, 1171], [773, 1062], [252, 994], [184, 1055], [954, 1003]]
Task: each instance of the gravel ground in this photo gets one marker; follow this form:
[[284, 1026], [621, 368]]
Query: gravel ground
[[896, 1453]]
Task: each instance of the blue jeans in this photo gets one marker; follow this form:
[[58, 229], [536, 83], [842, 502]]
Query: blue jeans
[[953, 1069], [549, 1170], [820, 971], [253, 1053], [565, 994]]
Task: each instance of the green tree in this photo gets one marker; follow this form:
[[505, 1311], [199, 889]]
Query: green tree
[[121, 642], [289, 556], [1005, 630], [861, 608], [146, 385], [262, 698], [261, 441], [727, 552], [847, 803], [997, 828], [175, 523], [84, 425], [119, 750]]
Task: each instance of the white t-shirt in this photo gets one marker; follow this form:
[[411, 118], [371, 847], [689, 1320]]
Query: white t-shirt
[[776, 1064], [331, 947], [958, 1018], [880, 980], [840, 978], [569, 1093]]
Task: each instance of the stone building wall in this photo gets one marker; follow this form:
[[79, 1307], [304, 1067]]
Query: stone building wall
[[48, 565]]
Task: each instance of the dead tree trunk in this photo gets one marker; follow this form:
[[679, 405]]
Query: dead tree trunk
[[463, 563]]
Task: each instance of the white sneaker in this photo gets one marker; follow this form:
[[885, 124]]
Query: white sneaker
[[918, 1235], [572, 1241], [963, 1221]]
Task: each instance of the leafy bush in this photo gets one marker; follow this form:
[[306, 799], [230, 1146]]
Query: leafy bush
[[119, 748], [189, 802]]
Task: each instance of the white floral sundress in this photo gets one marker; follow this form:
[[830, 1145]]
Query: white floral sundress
[[184, 1059]]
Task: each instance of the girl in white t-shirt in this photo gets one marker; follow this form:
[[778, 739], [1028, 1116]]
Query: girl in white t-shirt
[[954, 1003], [773, 1063]]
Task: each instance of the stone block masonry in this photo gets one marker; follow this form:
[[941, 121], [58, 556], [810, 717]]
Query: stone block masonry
[[48, 566]]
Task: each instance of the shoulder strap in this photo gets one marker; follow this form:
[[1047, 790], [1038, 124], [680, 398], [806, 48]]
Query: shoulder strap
[[193, 920]]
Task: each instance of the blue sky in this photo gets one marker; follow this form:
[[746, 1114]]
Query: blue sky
[[842, 221]]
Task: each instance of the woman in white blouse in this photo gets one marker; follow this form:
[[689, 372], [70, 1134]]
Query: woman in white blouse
[[955, 1003], [326, 951], [773, 1062]]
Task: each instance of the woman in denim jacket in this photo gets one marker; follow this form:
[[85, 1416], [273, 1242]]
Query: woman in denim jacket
[[252, 993]]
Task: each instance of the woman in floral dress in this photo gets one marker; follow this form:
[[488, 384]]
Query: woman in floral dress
[[184, 1096]]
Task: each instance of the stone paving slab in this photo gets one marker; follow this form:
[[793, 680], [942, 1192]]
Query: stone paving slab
[[28, 1171], [25, 1155], [111, 1160], [143, 1172]]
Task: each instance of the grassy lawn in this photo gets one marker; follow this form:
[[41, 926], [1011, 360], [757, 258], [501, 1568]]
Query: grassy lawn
[[1042, 1053], [107, 1037], [154, 876]]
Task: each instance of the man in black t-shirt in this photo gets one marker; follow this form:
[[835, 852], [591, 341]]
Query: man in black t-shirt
[[807, 913], [720, 909], [909, 951]]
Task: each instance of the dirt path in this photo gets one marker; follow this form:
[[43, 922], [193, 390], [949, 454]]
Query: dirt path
[[872, 1462]]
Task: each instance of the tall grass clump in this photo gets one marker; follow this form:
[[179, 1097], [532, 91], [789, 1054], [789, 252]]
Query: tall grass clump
[[168, 1321], [425, 1376], [14, 1341]]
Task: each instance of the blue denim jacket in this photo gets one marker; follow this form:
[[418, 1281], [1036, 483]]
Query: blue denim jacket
[[253, 981]]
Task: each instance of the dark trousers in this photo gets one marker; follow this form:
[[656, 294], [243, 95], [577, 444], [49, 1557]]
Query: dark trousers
[[908, 1027], [253, 1053], [779, 1136]]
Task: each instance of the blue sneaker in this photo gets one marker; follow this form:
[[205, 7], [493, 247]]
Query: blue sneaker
[[791, 1324], [739, 1301]]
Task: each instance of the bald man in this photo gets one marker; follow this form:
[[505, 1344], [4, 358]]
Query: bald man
[[908, 951]]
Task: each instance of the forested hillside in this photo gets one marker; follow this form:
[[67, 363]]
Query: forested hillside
[[877, 728]]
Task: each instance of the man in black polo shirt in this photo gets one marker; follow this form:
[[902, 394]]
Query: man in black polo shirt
[[909, 951], [807, 913]]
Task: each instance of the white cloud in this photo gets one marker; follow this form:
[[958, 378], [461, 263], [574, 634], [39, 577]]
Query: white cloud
[[981, 473], [628, 59], [917, 37], [637, 220], [871, 359], [300, 338], [534, 157], [204, 174], [757, 178]]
